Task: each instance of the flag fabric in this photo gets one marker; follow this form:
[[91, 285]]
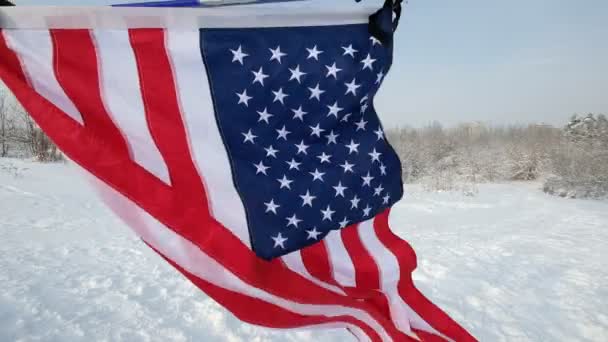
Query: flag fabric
[[243, 146]]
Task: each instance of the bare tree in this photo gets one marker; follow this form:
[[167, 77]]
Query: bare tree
[[3, 128], [6, 125]]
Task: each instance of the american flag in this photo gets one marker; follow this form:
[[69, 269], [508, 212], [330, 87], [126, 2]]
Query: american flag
[[243, 146]]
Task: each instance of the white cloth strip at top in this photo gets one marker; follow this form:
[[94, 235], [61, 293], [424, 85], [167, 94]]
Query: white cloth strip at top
[[64, 17]]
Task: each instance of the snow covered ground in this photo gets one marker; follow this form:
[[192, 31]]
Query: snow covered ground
[[511, 264]]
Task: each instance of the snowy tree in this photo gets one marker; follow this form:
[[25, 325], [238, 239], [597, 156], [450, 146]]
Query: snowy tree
[[4, 127], [20, 135], [581, 162]]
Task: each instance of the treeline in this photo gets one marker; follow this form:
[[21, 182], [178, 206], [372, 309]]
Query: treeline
[[20, 136], [571, 161]]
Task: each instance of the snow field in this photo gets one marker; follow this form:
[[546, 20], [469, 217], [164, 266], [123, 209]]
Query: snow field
[[510, 264]]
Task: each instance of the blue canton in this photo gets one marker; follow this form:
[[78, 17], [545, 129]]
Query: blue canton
[[296, 113]]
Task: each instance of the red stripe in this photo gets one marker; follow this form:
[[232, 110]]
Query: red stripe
[[367, 275], [78, 75], [316, 261], [166, 126], [162, 108], [256, 311], [156, 198], [407, 290]]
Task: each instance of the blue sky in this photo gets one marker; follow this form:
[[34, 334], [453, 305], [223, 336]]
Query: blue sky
[[511, 61]]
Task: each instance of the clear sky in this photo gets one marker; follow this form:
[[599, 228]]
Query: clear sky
[[515, 61]]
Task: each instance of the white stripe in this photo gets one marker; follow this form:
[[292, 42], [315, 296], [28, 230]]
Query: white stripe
[[294, 262], [390, 274], [98, 17], [206, 144], [192, 259], [388, 267], [121, 93], [341, 264], [35, 51]]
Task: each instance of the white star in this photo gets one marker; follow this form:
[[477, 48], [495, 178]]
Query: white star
[[270, 151], [380, 76], [382, 169], [348, 50], [343, 223], [279, 241], [259, 76], [352, 147], [243, 98], [315, 93], [277, 54], [293, 164], [355, 202], [261, 168], [367, 180], [316, 130], [264, 115], [375, 155], [340, 189], [324, 158], [334, 110], [238, 55], [271, 207], [317, 175], [285, 183], [296, 74], [282, 133], [345, 118], [378, 190], [347, 167], [313, 234], [307, 198], [327, 213], [331, 137], [364, 108], [333, 70], [313, 53], [279, 96], [293, 221], [302, 148], [299, 113], [386, 199], [379, 134], [364, 98], [249, 137], [366, 211], [375, 41], [361, 124], [368, 62], [352, 87]]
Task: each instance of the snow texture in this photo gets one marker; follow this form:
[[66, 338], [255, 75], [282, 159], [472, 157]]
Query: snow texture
[[510, 264]]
